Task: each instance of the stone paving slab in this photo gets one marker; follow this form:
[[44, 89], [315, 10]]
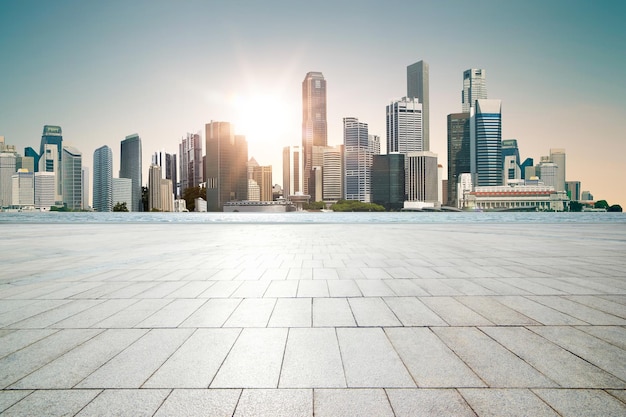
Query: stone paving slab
[[313, 319]]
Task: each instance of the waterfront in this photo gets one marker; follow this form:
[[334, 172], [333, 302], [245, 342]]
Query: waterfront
[[315, 217]]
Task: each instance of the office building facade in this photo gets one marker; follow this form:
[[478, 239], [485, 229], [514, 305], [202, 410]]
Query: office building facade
[[226, 165], [293, 178], [332, 173], [404, 126], [459, 154], [388, 176], [45, 183], [7, 169], [103, 179], [53, 135], [474, 88], [190, 157], [486, 142], [557, 156], [358, 153], [72, 168], [23, 189], [122, 192], [131, 167], [422, 177], [314, 123], [417, 86]]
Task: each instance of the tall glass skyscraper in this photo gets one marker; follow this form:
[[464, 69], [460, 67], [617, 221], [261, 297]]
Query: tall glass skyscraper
[[130, 167], [359, 149], [458, 152], [103, 179], [226, 165], [72, 178], [417, 86], [474, 88], [314, 125], [486, 142]]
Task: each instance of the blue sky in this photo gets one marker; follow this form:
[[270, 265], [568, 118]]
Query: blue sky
[[103, 70]]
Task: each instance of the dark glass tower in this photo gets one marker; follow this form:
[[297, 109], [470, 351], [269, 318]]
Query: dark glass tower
[[130, 167], [417, 86], [388, 178], [314, 126], [458, 152], [226, 165]]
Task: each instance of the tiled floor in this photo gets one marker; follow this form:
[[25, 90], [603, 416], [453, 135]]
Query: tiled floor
[[313, 319]]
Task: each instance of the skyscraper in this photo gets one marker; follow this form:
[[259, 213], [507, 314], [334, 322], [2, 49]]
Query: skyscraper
[[23, 194], [558, 157], [262, 175], [72, 178], [314, 126], [358, 153], [292, 170], [417, 86], [50, 162], [510, 161], [53, 135], [190, 151], [458, 152], [103, 179], [30, 152], [421, 177], [7, 169], [226, 165], [154, 188], [404, 126], [332, 173], [388, 176], [474, 88], [486, 142], [130, 167]]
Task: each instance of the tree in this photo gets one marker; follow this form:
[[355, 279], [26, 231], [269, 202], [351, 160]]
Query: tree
[[121, 207], [190, 194], [601, 204], [616, 208], [145, 198], [575, 206], [351, 205]]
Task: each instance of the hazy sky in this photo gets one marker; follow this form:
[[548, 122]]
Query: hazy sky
[[104, 70]]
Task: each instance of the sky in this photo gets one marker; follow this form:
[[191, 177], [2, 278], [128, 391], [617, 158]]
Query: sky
[[105, 70]]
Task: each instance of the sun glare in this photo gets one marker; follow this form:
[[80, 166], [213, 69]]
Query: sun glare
[[262, 118]]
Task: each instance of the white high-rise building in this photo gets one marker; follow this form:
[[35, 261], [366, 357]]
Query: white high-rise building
[[422, 177], [85, 178], [45, 190], [292, 171], [359, 148], [404, 126], [474, 88], [122, 192], [558, 157], [23, 193], [72, 174], [548, 172], [7, 169], [254, 191], [103, 179], [332, 173], [49, 162]]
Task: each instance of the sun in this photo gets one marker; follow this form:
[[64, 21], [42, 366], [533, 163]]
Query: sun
[[263, 118]]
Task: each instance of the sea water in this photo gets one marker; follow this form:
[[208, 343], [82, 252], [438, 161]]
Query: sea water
[[313, 217]]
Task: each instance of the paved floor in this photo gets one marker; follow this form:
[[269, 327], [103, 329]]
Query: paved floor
[[323, 319]]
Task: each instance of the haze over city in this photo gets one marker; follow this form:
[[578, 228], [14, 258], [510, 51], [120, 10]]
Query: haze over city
[[161, 69]]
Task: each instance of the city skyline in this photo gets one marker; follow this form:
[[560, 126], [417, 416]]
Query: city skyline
[[556, 73]]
